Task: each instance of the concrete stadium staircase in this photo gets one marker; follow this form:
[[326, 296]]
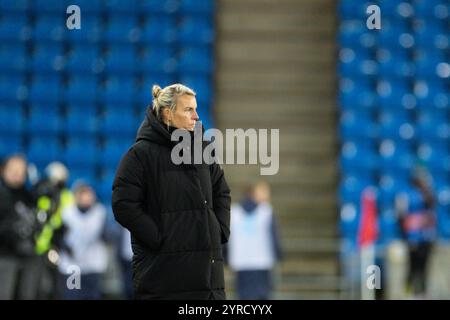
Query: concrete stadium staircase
[[276, 69]]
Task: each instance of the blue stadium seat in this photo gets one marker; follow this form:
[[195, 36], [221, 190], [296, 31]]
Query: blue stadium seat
[[396, 9], [161, 79], [354, 34], [82, 59], [357, 66], [197, 6], [12, 88], [159, 29], [158, 60], [113, 150], [44, 107], [357, 94], [123, 7], [443, 223], [42, 151], [202, 85], [158, 6], [429, 33], [144, 94], [15, 6], [396, 34], [195, 30], [440, 177], [443, 211], [389, 227], [47, 58], [121, 59], [119, 124], [82, 107], [361, 157], [80, 152], [433, 126], [393, 93], [122, 29], [427, 62], [13, 58], [46, 89], [104, 186], [81, 123], [91, 29], [12, 121], [394, 64], [396, 155], [50, 6], [89, 6], [431, 94], [119, 91], [433, 155], [389, 187], [349, 219], [44, 123], [353, 9], [6, 107], [82, 89], [49, 28], [196, 59], [357, 124], [432, 9], [204, 114], [10, 144], [351, 187], [396, 124], [14, 27]]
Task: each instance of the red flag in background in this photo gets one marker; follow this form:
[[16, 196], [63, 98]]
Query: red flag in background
[[368, 225]]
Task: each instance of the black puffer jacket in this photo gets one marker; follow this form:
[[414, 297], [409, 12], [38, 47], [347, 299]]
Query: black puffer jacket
[[178, 215], [17, 221]]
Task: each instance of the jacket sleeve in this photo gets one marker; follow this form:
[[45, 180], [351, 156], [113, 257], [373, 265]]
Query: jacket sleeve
[[7, 235], [128, 201], [221, 200], [276, 243]]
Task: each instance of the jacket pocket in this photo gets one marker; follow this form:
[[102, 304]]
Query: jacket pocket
[[185, 231], [215, 230], [217, 274]]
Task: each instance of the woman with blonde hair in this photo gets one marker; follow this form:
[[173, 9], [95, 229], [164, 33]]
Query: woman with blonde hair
[[178, 214]]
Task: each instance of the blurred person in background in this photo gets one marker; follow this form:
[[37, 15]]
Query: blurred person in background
[[254, 246], [178, 215], [125, 255], [52, 197], [83, 247], [415, 209], [17, 227]]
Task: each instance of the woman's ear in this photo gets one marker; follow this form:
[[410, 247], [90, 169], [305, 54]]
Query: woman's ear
[[165, 115], [169, 114]]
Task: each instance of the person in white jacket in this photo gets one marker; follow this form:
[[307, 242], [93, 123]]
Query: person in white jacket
[[254, 247], [84, 258]]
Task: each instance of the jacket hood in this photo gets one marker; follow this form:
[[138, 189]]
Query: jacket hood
[[152, 130]]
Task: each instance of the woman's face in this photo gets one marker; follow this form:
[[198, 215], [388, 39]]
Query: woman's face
[[185, 115], [15, 173], [85, 198]]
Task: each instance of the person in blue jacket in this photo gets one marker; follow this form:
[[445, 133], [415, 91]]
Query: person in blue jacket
[[416, 209]]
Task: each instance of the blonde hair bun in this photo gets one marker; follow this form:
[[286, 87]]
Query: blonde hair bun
[[156, 90]]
